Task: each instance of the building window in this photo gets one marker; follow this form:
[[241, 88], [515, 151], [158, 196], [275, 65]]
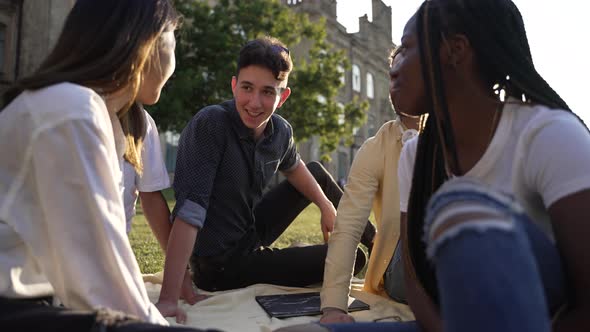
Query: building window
[[341, 115], [342, 74], [356, 78], [342, 168], [370, 86], [371, 125], [9, 10], [2, 46]]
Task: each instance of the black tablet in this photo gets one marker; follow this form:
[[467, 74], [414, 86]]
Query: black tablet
[[298, 304]]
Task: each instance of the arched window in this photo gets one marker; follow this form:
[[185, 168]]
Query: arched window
[[370, 86], [356, 78]]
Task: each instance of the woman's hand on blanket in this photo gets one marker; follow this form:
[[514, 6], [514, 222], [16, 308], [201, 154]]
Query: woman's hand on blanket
[[328, 220], [170, 309], [188, 292], [335, 316], [191, 297]]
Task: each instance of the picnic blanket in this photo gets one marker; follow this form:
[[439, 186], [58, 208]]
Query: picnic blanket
[[237, 310]]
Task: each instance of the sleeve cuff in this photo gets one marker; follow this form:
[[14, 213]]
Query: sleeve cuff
[[154, 187], [192, 213], [292, 166]]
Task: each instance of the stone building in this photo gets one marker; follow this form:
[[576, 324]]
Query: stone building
[[368, 78], [28, 30]]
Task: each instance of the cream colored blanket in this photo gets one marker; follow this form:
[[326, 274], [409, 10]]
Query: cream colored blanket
[[237, 310]]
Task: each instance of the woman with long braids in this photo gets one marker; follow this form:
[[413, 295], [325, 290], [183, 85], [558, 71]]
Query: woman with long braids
[[497, 209], [497, 215]]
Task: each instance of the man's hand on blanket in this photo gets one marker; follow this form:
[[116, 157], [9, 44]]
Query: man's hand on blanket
[[335, 316], [170, 309]]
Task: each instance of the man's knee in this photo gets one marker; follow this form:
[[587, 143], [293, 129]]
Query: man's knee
[[317, 170], [360, 261]]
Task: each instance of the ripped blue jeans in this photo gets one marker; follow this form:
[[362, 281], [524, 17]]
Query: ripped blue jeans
[[496, 270]]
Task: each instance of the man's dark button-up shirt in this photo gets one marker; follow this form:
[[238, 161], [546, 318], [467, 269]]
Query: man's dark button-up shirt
[[221, 172]]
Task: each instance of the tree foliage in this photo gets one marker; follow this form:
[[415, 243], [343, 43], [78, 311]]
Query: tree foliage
[[208, 45]]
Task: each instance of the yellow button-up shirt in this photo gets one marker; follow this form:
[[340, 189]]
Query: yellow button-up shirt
[[372, 183]]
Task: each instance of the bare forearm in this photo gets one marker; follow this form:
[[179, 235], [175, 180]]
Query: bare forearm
[[303, 181], [424, 310], [157, 214], [180, 246], [569, 217]]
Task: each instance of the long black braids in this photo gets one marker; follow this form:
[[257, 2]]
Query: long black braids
[[497, 34]]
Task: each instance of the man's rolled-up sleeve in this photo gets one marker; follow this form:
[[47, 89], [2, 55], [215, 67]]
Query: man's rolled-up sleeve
[[291, 158], [200, 150]]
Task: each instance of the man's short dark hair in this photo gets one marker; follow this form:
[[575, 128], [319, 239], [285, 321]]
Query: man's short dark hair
[[269, 53]]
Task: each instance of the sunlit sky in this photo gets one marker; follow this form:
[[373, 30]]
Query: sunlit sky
[[558, 33]]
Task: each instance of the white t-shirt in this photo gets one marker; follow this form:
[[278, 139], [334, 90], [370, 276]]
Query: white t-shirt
[[537, 154], [154, 176], [62, 223]]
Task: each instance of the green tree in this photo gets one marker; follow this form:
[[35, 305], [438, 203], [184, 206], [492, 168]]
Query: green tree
[[207, 49]]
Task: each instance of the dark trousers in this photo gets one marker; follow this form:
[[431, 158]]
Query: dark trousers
[[298, 266], [35, 315]]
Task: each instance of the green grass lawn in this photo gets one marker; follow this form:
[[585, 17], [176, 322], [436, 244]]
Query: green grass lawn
[[305, 229]]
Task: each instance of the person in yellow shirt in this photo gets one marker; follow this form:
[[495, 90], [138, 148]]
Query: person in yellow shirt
[[372, 185]]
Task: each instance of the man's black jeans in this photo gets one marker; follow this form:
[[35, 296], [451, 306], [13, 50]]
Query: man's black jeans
[[254, 262]]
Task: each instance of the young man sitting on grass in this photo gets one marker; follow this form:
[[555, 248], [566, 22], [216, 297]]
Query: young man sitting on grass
[[223, 219]]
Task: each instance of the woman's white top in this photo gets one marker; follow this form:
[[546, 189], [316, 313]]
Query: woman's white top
[[62, 222], [154, 176], [538, 155]]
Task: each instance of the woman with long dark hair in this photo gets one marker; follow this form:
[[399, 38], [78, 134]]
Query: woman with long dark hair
[[62, 222]]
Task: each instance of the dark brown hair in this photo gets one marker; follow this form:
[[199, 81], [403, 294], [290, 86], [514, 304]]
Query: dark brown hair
[[105, 45], [269, 53]]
